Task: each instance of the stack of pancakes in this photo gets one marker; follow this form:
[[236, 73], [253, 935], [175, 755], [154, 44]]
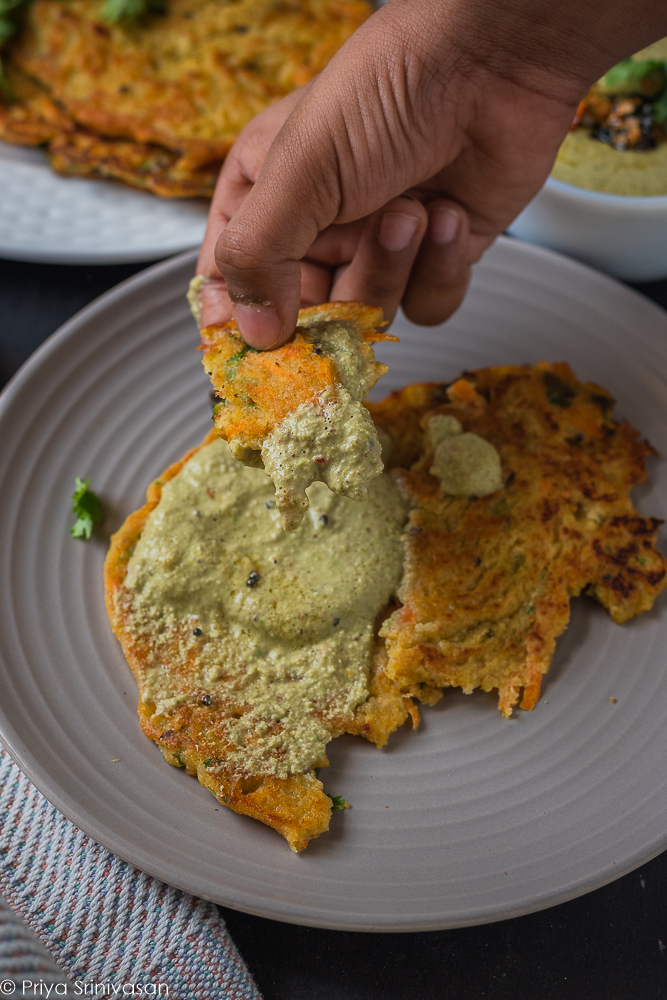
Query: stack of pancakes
[[157, 102]]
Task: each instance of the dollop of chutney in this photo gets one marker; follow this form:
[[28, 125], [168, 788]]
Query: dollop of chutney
[[466, 464], [287, 655], [331, 439]]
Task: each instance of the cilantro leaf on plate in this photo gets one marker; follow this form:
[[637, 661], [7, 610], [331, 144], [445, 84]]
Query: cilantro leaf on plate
[[87, 507], [338, 802]]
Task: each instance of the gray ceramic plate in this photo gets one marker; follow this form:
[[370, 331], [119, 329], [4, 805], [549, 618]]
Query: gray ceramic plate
[[471, 818]]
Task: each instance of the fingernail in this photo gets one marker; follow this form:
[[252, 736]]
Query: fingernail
[[444, 225], [259, 324], [396, 230]]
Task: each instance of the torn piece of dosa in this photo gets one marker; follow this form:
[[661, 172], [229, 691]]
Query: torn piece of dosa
[[488, 580], [296, 411]]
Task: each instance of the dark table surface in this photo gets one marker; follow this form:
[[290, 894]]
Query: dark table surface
[[608, 945]]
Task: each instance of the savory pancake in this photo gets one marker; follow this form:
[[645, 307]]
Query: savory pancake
[[488, 580], [253, 647], [179, 85], [296, 411], [32, 118]]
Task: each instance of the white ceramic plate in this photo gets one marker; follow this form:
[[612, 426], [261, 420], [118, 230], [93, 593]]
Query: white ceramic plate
[[471, 818], [70, 220]]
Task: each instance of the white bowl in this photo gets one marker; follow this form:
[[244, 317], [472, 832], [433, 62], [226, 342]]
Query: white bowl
[[622, 235]]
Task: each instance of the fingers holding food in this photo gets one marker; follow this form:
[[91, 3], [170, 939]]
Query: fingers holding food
[[381, 265]]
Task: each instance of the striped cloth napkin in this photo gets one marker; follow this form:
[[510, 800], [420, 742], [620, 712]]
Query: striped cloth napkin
[[104, 922]]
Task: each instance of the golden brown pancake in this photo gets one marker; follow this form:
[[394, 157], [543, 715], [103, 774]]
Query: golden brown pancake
[[180, 86], [487, 581], [30, 117]]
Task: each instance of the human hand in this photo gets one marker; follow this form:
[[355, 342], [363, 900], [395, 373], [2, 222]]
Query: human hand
[[386, 177], [381, 265]]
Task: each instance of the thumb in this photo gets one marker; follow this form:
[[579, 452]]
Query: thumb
[[296, 195]]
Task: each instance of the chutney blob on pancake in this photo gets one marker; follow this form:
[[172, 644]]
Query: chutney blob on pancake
[[157, 102], [253, 647]]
